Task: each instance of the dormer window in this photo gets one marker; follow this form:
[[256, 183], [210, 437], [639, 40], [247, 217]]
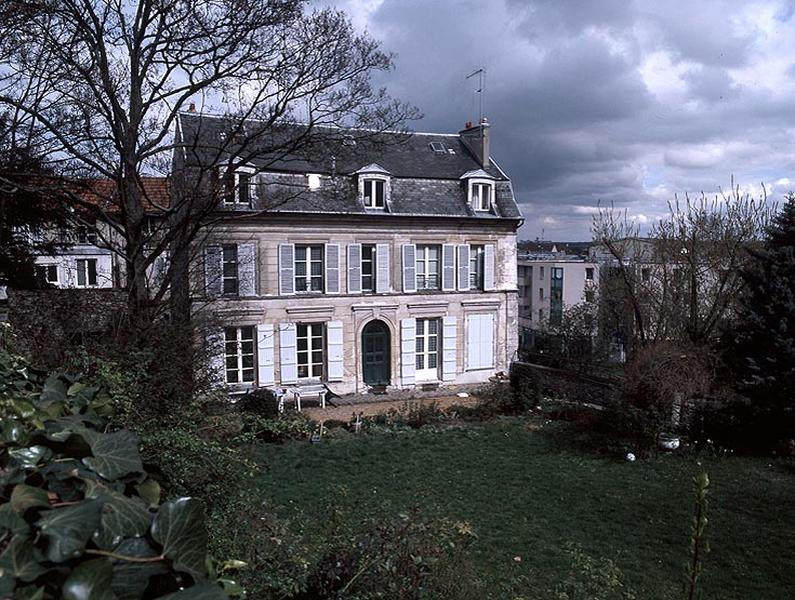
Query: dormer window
[[481, 196], [374, 187], [374, 193], [480, 190], [237, 186]]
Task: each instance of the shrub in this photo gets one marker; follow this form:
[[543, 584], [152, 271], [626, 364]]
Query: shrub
[[525, 390], [288, 426], [79, 515], [260, 401]]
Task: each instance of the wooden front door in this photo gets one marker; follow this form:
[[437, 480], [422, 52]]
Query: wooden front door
[[375, 353]]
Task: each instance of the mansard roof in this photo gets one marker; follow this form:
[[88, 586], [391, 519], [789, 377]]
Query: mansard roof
[[426, 178]]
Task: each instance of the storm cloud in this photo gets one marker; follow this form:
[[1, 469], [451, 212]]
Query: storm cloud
[[621, 101]]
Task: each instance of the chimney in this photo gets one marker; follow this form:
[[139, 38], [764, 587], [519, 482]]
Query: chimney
[[192, 107], [476, 139]]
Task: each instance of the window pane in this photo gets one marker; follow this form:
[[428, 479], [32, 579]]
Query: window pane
[[379, 193], [420, 361], [300, 269], [248, 375], [317, 357], [302, 343], [432, 344], [317, 343], [432, 361], [247, 347], [81, 272], [231, 362], [317, 268], [248, 361], [247, 333], [303, 370], [231, 377], [433, 326], [300, 253], [317, 253]]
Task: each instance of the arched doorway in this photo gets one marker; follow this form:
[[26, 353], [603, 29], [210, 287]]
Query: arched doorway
[[375, 353]]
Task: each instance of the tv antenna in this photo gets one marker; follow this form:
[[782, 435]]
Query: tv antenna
[[481, 73]]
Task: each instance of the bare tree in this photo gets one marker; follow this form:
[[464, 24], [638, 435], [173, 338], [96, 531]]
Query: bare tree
[[680, 282], [103, 82]]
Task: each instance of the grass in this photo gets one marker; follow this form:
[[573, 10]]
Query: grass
[[528, 493]]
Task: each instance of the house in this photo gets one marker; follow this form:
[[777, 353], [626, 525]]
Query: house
[[370, 259]]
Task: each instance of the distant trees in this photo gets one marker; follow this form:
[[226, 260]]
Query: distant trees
[[680, 283]]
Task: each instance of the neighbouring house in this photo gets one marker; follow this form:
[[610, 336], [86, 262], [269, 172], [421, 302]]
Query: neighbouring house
[[551, 281], [373, 259]]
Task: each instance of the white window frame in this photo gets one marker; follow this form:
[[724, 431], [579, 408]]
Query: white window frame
[[423, 263], [237, 341], [309, 333], [224, 276], [81, 264], [370, 180], [232, 197], [373, 267], [423, 354], [477, 201], [307, 264], [477, 256], [46, 267]]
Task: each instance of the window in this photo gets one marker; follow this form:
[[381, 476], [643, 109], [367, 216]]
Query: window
[[237, 187], [541, 273], [368, 267], [86, 272], [481, 196], [428, 267], [84, 235], [374, 193], [309, 268], [589, 273], [239, 354], [540, 314], [645, 274], [47, 274], [476, 267], [427, 348], [540, 293], [229, 269], [556, 296], [309, 340], [589, 295]]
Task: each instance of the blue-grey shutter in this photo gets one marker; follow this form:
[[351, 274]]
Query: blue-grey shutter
[[286, 269], [448, 268], [247, 269], [488, 267], [480, 341], [215, 357], [409, 268], [354, 268], [288, 355], [382, 268], [334, 349], [213, 258], [448, 348], [463, 267], [332, 269], [408, 350], [265, 361]]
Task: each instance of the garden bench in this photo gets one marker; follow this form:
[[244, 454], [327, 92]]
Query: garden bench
[[309, 390]]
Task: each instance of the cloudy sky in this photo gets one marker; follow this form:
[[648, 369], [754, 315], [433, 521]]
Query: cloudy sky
[[619, 101]]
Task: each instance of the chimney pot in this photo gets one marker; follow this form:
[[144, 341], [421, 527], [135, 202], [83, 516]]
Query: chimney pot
[[476, 139], [468, 125]]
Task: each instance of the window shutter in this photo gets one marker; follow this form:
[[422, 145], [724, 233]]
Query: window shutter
[[286, 269], [480, 341], [215, 357], [448, 267], [354, 268], [448, 348], [463, 267], [288, 356], [247, 269], [409, 268], [332, 268], [488, 268], [335, 350], [212, 270], [408, 350], [265, 364], [382, 268]]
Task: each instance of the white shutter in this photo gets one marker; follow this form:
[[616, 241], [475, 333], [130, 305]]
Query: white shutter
[[480, 341], [286, 269], [463, 267], [265, 363], [488, 268], [332, 269], [212, 270], [247, 269], [288, 356], [354, 268], [408, 350], [334, 348], [448, 348], [409, 268], [215, 357], [448, 268], [382, 268]]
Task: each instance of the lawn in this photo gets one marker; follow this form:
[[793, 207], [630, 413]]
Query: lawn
[[527, 493]]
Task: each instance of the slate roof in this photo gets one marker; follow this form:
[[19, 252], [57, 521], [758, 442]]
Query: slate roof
[[424, 182]]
